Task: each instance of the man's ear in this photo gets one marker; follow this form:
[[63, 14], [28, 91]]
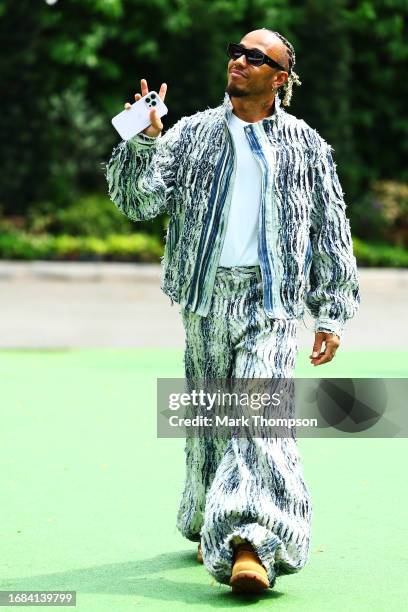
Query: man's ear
[[282, 78]]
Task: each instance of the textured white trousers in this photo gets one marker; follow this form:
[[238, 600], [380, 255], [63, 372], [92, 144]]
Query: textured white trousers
[[239, 488]]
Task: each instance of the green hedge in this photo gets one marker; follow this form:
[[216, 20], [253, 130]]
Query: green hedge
[[380, 255], [145, 248], [115, 247]]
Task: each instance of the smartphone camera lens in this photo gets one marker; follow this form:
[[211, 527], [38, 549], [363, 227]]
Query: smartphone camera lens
[[154, 102], [153, 95], [148, 100]]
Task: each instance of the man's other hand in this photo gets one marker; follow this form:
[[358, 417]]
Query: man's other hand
[[319, 355]]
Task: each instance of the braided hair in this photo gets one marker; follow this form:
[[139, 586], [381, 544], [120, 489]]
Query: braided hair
[[293, 78]]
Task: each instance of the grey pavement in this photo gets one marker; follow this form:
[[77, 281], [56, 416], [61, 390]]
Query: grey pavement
[[67, 305]]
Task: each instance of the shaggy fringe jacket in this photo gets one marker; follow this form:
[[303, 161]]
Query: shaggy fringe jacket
[[305, 248]]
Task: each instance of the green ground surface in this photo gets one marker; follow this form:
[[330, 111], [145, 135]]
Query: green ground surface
[[89, 494]]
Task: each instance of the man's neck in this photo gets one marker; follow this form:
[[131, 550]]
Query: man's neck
[[253, 110]]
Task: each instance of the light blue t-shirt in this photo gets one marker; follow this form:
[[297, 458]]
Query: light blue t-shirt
[[241, 239]]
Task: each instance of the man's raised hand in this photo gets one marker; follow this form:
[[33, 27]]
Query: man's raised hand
[[156, 126]]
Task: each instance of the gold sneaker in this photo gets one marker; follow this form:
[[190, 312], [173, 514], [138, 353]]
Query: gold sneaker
[[248, 573]]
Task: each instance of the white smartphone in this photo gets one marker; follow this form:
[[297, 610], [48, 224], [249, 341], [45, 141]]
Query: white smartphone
[[130, 122]]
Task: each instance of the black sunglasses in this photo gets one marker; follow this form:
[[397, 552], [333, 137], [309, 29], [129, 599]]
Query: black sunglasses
[[253, 56]]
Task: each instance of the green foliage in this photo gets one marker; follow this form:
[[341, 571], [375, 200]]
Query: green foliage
[[141, 247], [379, 255], [91, 215], [324, 64], [68, 68], [383, 214], [126, 248], [115, 247], [379, 88], [76, 145]]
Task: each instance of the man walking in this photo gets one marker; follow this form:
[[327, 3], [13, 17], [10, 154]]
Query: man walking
[[257, 233]]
